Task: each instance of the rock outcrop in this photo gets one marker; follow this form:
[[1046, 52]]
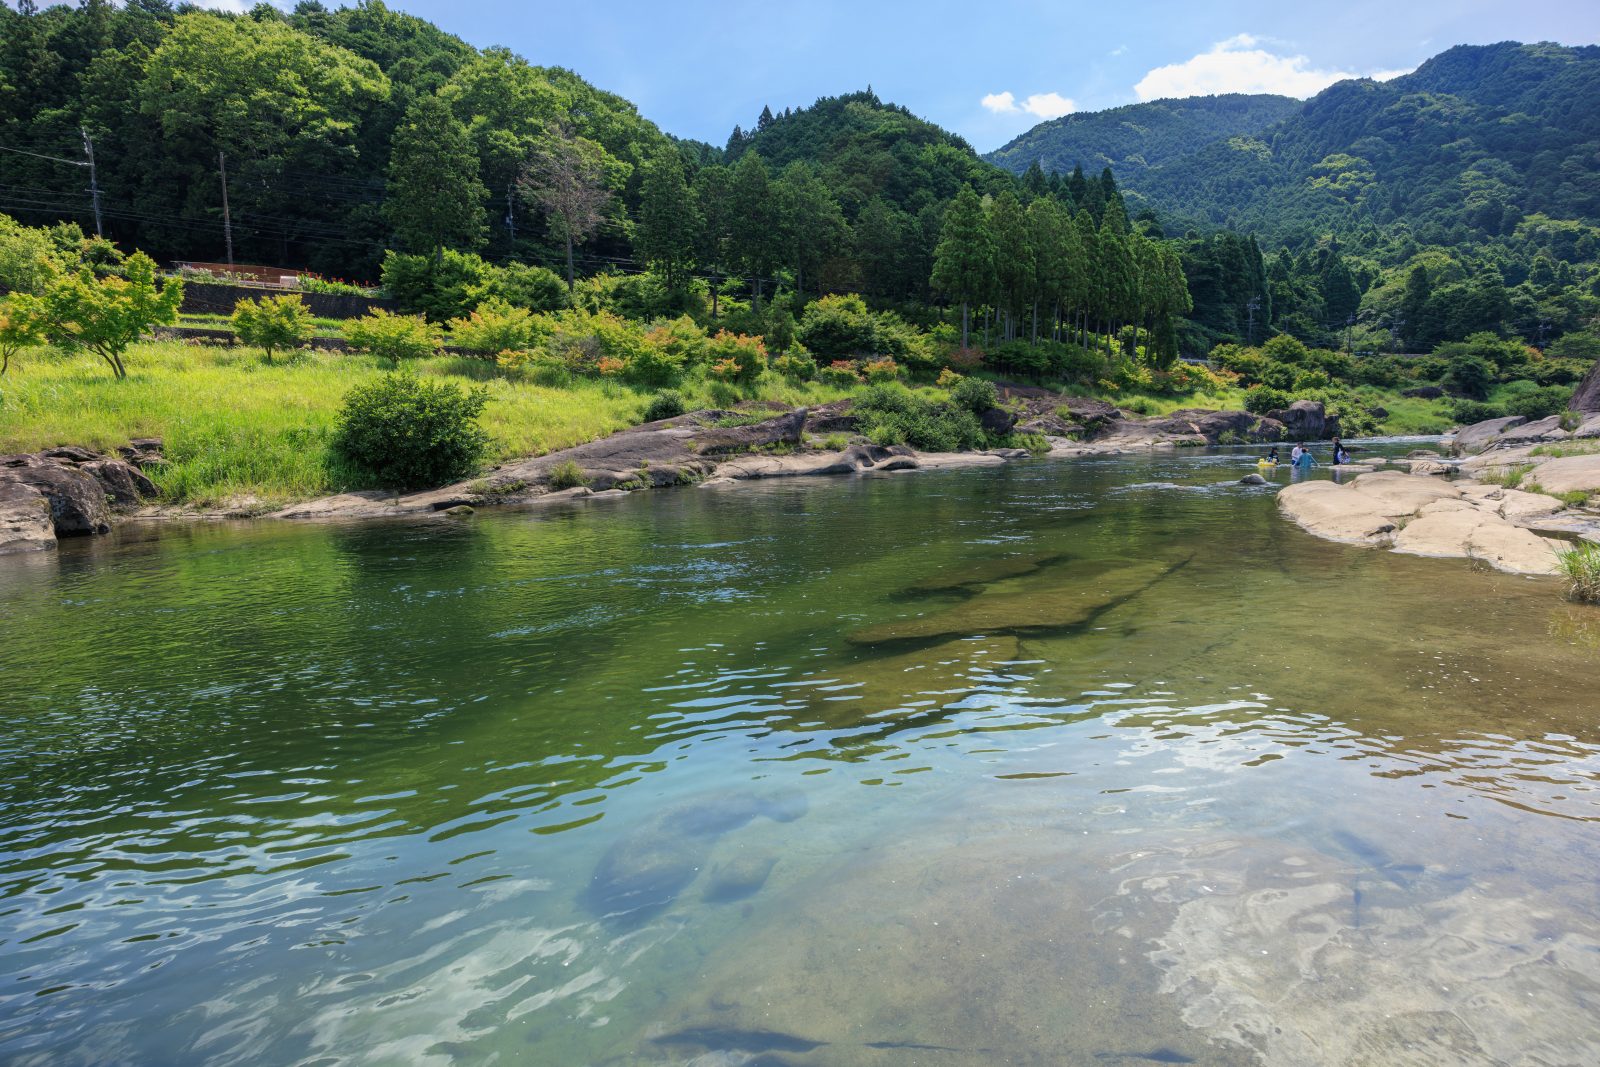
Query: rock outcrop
[[79, 489], [1586, 397], [1551, 473], [24, 519], [1303, 420], [1482, 435], [1428, 517]]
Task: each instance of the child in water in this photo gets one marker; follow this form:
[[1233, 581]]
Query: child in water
[[1272, 456], [1305, 460]]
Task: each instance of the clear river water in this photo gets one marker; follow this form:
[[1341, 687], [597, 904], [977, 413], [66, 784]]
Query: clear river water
[[1067, 762]]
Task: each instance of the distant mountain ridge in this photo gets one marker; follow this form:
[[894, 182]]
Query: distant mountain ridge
[[1472, 142], [1136, 136]]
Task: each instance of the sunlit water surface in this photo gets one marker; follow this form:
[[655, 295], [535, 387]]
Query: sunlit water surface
[[1064, 762]]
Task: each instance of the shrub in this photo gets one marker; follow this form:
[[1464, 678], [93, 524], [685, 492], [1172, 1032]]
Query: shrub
[[1533, 402], [403, 432], [841, 373], [567, 475], [965, 359], [1581, 566], [736, 357], [495, 326], [796, 366], [1285, 349], [22, 326], [271, 323], [882, 370], [948, 378], [1307, 380], [1263, 398], [838, 326], [454, 285], [1467, 412], [975, 395], [683, 341], [667, 404], [1469, 376], [891, 415], [391, 337]]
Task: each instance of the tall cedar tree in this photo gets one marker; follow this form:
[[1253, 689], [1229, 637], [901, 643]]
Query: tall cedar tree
[[668, 222], [435, 199], [963, 262]]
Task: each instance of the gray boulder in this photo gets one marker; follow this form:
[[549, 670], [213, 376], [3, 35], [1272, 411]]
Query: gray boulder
[[997, 422], [125, 484], [1303, 420], [1546, 429], [1586, 398], [24, 519], [1480, 435], [1252, 479], [77, 500], [1424, 392], [1589, 427], [143, 452]]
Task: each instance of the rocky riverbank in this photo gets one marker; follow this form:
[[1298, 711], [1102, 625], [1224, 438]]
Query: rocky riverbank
[[69, 491], [1524, 509]]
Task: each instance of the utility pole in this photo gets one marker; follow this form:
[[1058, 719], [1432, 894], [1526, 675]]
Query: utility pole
[[511, 212], [94, 181], [1250, 330], [1349, 324], [227, 219]]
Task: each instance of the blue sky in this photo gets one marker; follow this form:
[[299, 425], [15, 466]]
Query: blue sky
[[697, 67]]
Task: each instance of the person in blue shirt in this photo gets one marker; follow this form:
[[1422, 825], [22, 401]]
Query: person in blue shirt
[[1304, 461]]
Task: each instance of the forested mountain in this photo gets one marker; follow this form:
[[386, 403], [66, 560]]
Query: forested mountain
[[1464, 197], [1481, 169], [1129, 139]]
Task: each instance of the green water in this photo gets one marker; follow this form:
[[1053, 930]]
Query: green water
[[1042, 764]]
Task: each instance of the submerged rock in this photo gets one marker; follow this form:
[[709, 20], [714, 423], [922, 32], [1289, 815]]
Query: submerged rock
[[1253, 479], [738, 878], [646, 870], [1070, 597]]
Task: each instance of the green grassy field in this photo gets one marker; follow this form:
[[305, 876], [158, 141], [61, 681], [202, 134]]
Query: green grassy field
[[236, 427]]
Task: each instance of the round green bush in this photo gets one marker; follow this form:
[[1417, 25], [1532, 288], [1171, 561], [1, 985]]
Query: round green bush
[[401, 432], [975, 394], [667, 404]]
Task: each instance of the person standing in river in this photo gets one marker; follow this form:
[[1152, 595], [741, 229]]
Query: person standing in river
[[1338, 450]]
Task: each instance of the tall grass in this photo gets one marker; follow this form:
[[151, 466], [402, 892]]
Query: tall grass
[[1581, 567], [235, 426]]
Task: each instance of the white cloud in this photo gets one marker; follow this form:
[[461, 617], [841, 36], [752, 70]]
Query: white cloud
[[1241, 65], [1000, 103], [1039, 105]]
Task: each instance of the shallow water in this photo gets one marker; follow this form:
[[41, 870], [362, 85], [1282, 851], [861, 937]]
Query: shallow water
[[1089, 762]]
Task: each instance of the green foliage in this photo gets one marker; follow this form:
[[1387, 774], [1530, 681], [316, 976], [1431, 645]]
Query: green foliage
[[22, 326], [839, 327], [452, 285], [1469, 376], [391, 337], [796, 366], [403, 432], [435, 200], [1532, 401], [666, 404], [272, 322], [1468, 412], [1263, 398], [495, 326], [106, 315], [975, 395], [1507, 477], [736, 358], [28, 257], [567, 475], [894, 415]]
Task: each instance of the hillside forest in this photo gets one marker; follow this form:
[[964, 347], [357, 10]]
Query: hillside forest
[[1455, 206]]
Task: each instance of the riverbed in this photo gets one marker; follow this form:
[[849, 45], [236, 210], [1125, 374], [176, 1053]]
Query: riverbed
[[1058, 762]]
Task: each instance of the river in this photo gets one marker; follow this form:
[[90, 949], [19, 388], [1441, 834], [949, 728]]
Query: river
[[1095, 762]]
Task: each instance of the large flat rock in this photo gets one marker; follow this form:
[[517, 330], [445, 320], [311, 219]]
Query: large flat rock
[[1425, 516]]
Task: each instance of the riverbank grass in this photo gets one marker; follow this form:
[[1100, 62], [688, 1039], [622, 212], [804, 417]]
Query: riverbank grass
[[1581, 567], [236, 427]]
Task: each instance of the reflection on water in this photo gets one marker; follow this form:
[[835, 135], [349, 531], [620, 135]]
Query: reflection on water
[[1095, 762]]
